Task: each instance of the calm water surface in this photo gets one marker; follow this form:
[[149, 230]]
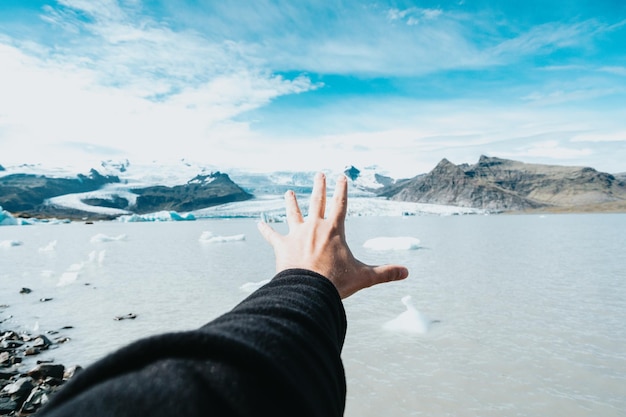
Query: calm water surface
[[529, 310]]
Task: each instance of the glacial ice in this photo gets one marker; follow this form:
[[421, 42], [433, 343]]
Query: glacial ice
[[251, 287], [159, 216], [6, 219], [101, 237], [209, 237], [9, 243], [392, 243], [410, 321], [94, 259], [49, 247]]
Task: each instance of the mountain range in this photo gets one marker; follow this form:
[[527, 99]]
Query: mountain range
[[120, 188], [504, 185]]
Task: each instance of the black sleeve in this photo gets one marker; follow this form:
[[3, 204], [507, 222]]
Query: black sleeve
[[277, 353]]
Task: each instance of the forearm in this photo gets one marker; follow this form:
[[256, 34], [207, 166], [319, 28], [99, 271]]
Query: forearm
[[277, 351]]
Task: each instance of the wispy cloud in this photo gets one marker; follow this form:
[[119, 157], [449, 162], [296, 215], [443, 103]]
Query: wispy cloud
[[208, 78]]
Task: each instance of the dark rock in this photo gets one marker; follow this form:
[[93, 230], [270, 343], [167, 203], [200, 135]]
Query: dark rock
[[37, 397], [11, 344], [71, 371], [19, 388], [42, 342], [45, 370], [116, 202], [31, 351], [7, 405], [129, 316], [25, 290], [4, 375]]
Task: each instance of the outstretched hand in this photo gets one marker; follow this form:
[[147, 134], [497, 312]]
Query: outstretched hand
[[318, 243]]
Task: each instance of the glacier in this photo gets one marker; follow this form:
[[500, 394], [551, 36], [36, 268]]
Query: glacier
[[268, 189]]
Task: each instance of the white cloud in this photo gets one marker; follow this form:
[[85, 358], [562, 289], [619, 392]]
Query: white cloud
[[549, 149], [614, 70], [617, 136]]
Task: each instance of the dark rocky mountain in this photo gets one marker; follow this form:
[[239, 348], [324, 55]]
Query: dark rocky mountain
[[505, 185], [200, 192], [26, 194]]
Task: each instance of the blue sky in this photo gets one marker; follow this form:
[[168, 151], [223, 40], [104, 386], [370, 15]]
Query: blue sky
[[270, 85]]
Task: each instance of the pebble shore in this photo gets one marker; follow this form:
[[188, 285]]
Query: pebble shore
[[26, 383]]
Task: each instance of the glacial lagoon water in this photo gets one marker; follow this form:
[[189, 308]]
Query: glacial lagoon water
[[525, 314]]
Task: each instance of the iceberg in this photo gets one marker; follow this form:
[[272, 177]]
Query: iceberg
[[6, 219], [49, 247], [209, 237], [251, 287], [392, 243], [410, 321], [101, 237], [9, 243], [159, 216]]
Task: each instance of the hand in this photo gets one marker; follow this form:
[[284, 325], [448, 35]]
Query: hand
[[319, 244]]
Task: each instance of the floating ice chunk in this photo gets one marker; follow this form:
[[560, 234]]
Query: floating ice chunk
[[100, 237], [253, 286], [392, 243], [71, 275], [208, 237], [46, 273], [49, 247], [410, 321], [9, 243]]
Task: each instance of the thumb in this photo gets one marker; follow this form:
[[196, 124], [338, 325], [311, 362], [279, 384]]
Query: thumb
[[387, 273], [267, 232]]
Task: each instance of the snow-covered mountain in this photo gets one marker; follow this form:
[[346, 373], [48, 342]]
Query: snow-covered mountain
[[138, 192]]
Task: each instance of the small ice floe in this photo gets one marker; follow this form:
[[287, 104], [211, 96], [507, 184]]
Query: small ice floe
[[96, 257], [71, 275], [100, 237], [410, 321], [392, 243], [208, 237], [251, 287], [9, 243], [49, 247]]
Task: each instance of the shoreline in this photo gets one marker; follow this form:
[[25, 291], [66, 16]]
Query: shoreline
[[26, 384]]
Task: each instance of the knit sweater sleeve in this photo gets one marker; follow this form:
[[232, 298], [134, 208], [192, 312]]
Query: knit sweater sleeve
[[276, 353]]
